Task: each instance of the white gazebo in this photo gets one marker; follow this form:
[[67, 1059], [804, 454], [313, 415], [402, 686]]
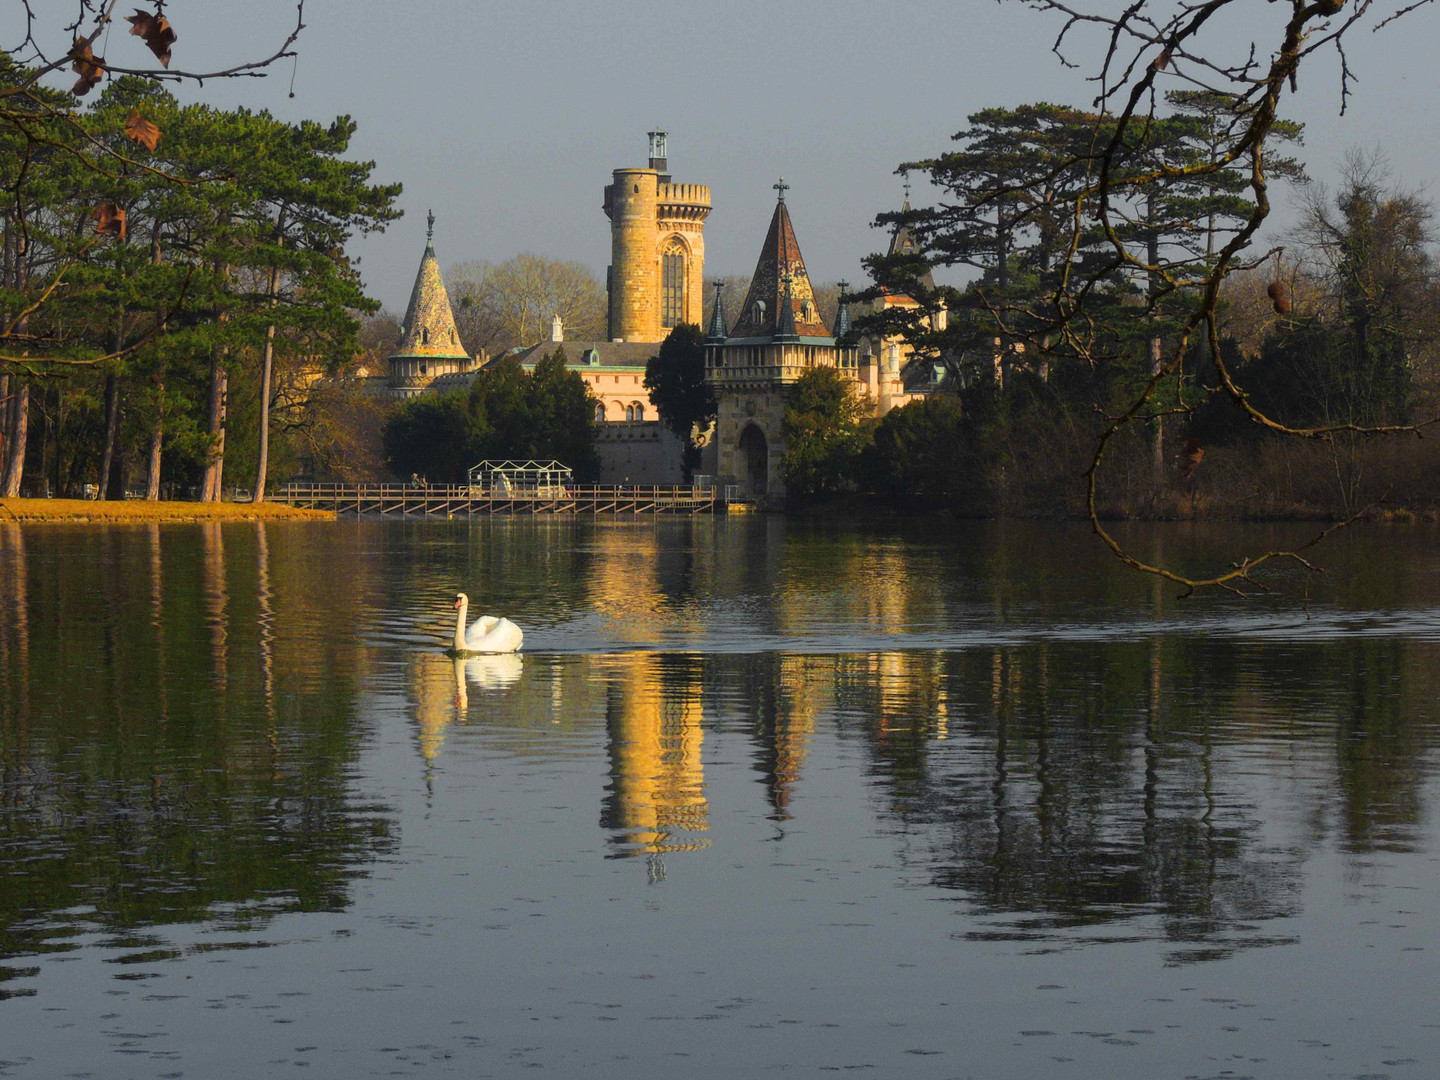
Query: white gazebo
[[541, 478]]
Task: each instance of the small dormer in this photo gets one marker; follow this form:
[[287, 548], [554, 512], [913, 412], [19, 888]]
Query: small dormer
[[590, 357]]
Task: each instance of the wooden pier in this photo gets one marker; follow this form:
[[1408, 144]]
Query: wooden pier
[[461, 500]]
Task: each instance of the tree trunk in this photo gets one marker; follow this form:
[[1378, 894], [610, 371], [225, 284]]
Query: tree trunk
[[215, 466], [4, 418], [263, 465], [59, 425], [1157, 426], [1157, 348], [119, 473], [152, 476], [19, 430], [157, 433], [42, 482], [112, 430]]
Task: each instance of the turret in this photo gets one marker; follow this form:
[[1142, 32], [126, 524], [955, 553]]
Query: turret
[[843, 328], [718, 331], [429, 344], [657, 249], [631, 202]]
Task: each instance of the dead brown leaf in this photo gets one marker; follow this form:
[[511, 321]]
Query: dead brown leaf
[[85, 64], [155, 29], [109, 220], [1189, 459], [141, 130]]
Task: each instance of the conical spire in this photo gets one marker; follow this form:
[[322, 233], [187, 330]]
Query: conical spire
[[902, 243], [429, 328], [842, 315], [780, 256], [718, 331], [785, 325]]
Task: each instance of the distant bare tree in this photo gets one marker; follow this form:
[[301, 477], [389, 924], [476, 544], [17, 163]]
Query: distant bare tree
[[732, 295], [500, 306], [379, 336]]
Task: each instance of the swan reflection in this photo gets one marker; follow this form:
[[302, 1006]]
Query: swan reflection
[[486, 673]]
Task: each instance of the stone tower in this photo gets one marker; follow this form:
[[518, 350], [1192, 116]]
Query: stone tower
[[778, 336], [429, 345], [657, 249]]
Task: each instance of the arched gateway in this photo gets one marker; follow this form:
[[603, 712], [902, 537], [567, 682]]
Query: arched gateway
[[755, 456]]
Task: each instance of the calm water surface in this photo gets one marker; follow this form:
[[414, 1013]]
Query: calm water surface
[[758, 797]]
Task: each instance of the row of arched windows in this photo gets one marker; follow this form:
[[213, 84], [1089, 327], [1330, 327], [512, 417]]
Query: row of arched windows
[[633, 411]]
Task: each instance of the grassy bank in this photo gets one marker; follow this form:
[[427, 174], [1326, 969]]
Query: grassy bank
[[83, 511]]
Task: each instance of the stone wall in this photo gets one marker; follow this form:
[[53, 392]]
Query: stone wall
[[639, 453]]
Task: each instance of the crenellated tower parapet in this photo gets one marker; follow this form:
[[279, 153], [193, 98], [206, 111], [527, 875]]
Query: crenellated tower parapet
[[657, 249]]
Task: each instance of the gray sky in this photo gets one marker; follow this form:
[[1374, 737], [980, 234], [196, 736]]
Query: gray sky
[[507, 118]]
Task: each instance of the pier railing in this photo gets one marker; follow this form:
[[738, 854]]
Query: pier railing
[[451, 500]]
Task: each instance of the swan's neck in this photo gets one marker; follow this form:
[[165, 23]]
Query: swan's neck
[[460, 626]]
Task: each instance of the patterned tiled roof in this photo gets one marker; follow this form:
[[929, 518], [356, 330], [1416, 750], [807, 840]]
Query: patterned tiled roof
[[779, 256], [429, 328]]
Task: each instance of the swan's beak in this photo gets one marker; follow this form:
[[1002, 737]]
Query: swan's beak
[[457, 603]]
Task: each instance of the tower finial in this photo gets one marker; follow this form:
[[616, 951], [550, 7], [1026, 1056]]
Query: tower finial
[[430, 226], [781, 187], [907, 187]]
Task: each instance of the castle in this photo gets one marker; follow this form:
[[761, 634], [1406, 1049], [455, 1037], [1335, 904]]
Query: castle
[[655, 282]]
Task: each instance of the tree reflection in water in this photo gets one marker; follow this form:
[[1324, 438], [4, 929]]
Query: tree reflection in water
[[193, 772]]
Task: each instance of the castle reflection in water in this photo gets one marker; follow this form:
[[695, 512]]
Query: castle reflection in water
[[229, 676], [1059, 782]]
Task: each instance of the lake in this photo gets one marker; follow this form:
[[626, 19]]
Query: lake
[[759, 796]]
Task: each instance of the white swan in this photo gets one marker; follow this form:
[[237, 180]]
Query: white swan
[[486, 634]]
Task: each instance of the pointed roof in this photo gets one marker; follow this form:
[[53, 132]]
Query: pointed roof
[[902, 243], [718, 330], [843, 325], [429, 328], [785, 325], [780, 256]]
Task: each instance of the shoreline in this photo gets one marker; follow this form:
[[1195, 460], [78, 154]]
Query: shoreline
[[139, 512]]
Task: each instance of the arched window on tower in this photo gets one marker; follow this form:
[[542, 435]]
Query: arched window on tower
[[639, 411], [599, 412], [424, 336], [672, 285]]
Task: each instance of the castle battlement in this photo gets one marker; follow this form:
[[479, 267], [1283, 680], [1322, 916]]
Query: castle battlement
[[688, 195]]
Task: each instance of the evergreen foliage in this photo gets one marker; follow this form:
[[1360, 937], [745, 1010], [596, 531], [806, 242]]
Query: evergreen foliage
[[675, 377], [826, 429], [209, 264], [507, 413]]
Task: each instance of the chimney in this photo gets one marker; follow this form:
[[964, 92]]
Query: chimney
[[557, 328]]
